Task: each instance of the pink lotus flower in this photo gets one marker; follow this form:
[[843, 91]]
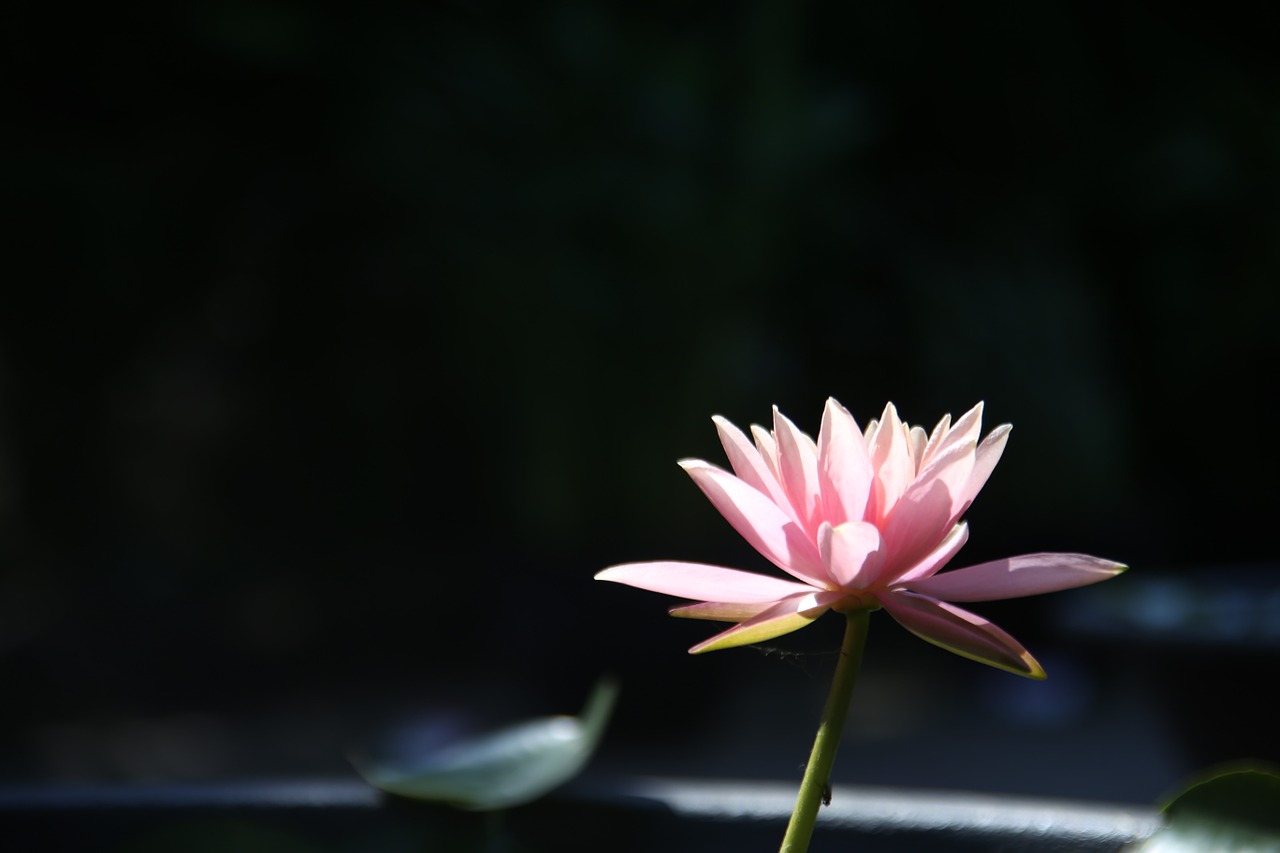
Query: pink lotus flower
[[859, 521]]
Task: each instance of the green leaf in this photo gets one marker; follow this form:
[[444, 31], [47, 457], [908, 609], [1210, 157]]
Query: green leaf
[[1230, 809], [504, 768]]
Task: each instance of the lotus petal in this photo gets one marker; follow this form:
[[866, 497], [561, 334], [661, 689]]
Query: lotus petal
[[892, 462], [719, 611], [798, 470], [939, 557], [960, 631], [1016, 577], [757, 519], [786, 616], [702, 582], [852, 552], [748, 463], [844, 468]]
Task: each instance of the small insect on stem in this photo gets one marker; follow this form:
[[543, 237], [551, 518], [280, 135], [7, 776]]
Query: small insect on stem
[[826, 793]]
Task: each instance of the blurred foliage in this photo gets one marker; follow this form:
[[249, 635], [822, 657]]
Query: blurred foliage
[[1232, 808], [341, 346], [495, 770]]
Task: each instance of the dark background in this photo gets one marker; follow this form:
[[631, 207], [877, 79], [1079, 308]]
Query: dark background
[[340, 347]]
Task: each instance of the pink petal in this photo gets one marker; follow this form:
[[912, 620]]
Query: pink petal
[[917, 440], [937, 558], [923, 515], [852, 552], [786, 616], [967, 429], [1015, 577], [869, 434], [952, 463], [717, 611], [844, 468], [748, 463], [892, 462], [702, 583], [984, 462], [768, 449], [798, 470], [960, 631], [769, 529], [935, 438]]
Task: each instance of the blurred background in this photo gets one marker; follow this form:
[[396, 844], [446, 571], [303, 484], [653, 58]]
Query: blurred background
[[339, 347]]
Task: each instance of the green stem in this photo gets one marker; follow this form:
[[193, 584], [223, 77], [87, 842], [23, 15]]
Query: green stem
[[818, 771]]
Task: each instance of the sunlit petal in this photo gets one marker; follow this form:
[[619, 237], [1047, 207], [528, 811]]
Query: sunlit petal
[[961, 632], [937, 558], [869, 434], [917, 439], [844, 468], [965, 430], [784, 617], [718, 611], [770, 530], [986, 456], [798, 467], [768, 449], [935, 438], [1016, 577], [923, 515], [748, 463], [892, 463], [852, 552], [702, 582]]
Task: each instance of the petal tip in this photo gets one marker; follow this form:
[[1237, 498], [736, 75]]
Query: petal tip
[[1024, 665], [1034, 670], [1109, 568]]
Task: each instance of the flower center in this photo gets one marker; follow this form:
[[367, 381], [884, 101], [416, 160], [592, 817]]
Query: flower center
[[856, 601]]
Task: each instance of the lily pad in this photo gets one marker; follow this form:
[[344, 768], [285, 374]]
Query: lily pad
[[1231, 809], [502, 768]]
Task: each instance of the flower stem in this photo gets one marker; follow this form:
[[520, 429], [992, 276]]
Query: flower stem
[[817, 772]]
